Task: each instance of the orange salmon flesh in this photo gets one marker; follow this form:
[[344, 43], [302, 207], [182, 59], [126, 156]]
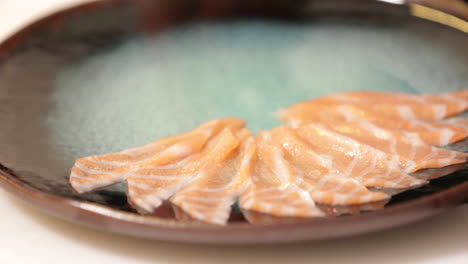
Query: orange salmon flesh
[[334, 155]]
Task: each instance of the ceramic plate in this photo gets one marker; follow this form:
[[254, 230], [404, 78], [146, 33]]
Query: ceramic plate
[[115, 74]]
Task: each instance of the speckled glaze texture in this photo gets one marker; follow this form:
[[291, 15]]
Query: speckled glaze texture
[[44, 77]]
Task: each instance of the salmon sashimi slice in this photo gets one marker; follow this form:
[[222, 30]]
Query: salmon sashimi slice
[[366, 105], [408, 149], [338, 154], [273, 185], [209, 197], [405, 106], [461, 95], [459, 98], [148, 186], [434, 133], [437, 133], [368, 166], [318, 173], [257, 218], [429, 174], [98, 171]]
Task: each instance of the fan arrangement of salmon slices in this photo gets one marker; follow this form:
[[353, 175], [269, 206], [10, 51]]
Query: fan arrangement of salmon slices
[[336, 154]]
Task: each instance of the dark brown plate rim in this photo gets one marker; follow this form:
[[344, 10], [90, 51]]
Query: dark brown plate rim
[[105, 218]]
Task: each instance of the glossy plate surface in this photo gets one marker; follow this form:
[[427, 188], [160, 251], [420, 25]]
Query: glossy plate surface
[[115, 74]]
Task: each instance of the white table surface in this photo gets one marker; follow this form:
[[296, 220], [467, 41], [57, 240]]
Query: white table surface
[[30, 236]]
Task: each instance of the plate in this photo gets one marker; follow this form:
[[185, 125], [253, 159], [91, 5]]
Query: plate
[[110, 75]]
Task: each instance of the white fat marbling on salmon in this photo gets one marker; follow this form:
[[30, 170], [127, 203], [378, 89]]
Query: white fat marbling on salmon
[[344, 111], [405, 112], [152, 197], [440, 111], [178, 150], [156, 177], [446, 136], [86, 184], [281, 170], [89, 171]]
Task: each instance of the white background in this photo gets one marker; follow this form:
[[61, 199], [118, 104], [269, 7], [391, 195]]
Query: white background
[[30, 236]]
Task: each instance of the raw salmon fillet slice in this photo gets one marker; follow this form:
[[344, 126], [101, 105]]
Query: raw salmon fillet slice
[[338, 154], [400, 105], [436, 106], [348, 158], [148, 186], [98, 171], [318, 174], [209, 197], [408, 149], [436, 133], [273, 185]]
